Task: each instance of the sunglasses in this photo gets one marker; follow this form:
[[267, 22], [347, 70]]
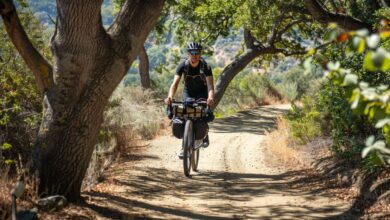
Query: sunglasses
[[194, 52]]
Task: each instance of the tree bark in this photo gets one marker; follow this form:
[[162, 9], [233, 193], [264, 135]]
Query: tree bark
[[323, 16], [88, 65], [254, 49], [143, 68], [230, 71]]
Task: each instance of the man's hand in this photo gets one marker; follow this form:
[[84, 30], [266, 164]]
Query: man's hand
[[210, 101], [168, 101]]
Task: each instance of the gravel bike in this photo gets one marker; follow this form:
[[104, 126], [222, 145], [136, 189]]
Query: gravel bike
[[193, 114]]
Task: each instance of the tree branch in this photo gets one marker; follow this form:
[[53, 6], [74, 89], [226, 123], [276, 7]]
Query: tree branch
[[274, 33], [128, 29], [40, 67], [301, 52], [287, 27], [295, 9], [250, 41], [334, 6], [319, 14]]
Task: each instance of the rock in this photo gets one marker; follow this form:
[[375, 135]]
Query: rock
[[31, 214], [52, 203], [345, 180]]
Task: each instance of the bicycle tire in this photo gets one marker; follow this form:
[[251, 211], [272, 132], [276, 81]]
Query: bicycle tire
[[188, 138], [195, 159]]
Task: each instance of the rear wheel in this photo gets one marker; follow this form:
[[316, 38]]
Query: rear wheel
[[188, 141]]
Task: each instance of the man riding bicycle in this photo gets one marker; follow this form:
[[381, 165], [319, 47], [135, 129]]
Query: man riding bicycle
[[198, 80]]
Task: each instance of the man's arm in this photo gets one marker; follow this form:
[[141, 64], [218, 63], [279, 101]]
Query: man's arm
[[210, 88], [173, 88]]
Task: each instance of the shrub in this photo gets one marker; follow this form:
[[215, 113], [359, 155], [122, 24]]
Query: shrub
[[305, 122], [20, 101]]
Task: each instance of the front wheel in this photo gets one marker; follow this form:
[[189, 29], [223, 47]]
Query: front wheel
[[188, 141], [195, 159]]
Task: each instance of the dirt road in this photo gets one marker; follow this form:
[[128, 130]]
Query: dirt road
[[234, 180]]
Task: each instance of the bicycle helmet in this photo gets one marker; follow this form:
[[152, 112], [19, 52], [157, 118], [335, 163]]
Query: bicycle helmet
[[194, 46]]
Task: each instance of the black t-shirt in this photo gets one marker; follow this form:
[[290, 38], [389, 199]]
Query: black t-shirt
[[195, 85]]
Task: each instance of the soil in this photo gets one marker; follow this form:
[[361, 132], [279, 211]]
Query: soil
[[235, 180]]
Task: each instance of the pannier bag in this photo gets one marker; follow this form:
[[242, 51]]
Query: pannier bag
[[201, 129], [178, 127]]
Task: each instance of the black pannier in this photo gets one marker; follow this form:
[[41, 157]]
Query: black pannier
[[201, 129], [178, 127]]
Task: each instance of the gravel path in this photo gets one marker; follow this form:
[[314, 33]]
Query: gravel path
[[233, 182]]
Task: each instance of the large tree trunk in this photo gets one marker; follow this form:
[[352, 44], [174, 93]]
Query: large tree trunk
[[144, 68], [88, 65]]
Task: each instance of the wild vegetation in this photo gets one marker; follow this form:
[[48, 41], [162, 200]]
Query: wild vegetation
[[341, 89]]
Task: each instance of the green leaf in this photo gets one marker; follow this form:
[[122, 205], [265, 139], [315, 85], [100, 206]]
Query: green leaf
[[382, 122], [379, 146], [386, 64], [350, 79], [373, 41], [331, 35], [378, 58], [333, 65], [379, 114], [355, 43], [369, 93], [362, 32], [368, 64], [370, 140], [6, 146], [355, 98], [376, 159], [8, 162], [361, 47]]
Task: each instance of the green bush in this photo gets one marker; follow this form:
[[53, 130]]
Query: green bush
[[357, 87], [293, 82], [305, 122], [20, 101]]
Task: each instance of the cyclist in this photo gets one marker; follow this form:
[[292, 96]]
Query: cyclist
[[198, 80]]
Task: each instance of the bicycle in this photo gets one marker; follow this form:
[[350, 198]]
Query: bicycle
[[193, 113]]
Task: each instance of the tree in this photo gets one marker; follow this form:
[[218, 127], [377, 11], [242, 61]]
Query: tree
[[88, 63], [270, 27]]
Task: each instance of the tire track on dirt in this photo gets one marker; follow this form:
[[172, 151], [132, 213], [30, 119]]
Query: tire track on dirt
[[233, 181]]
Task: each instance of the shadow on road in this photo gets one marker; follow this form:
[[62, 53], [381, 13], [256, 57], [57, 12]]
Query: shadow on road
[[157, 184], [145, 187], [248, 121]]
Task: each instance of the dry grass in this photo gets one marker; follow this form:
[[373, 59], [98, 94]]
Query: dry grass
[[134, 116], [137, 110], [7, 184], [288, 153], [284, 152], [5, 195], [270, 99]]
